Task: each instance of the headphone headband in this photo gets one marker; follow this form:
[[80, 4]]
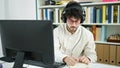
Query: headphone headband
[[63, 17]]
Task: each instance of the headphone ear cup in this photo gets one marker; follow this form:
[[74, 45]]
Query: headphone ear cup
[[63, 18], [84, 14]]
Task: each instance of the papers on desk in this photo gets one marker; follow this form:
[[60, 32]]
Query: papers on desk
[[79, 65]]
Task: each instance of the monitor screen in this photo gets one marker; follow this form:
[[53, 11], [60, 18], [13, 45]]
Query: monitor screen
[[28, 40]]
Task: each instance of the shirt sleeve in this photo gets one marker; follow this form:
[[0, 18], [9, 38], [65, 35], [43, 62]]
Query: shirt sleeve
[[90, 49], [57, 52]]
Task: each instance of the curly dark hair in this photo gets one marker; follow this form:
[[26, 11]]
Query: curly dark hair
[[73, 9]]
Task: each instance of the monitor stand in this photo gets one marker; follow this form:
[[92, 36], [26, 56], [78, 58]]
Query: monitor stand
[[19, 60], [7, 59]]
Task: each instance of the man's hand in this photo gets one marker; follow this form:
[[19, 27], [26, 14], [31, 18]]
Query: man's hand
[[84, 59], [71, 61]]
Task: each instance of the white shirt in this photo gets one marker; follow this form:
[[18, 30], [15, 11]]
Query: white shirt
[[78, 44]]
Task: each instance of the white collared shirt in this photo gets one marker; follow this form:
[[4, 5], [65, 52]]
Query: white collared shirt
[[77, 44]]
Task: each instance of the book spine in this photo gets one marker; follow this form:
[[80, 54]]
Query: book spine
[[109, 13], [103, 33], [94, 14], [118, 13], [94, 31], [103, 14]]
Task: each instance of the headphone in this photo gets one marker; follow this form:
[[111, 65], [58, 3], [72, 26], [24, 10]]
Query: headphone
[[67, 8]]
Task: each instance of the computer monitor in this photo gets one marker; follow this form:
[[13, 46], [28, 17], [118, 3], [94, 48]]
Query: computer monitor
[[28, 40]]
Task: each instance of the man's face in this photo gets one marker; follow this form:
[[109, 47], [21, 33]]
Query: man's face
[[73, 23]]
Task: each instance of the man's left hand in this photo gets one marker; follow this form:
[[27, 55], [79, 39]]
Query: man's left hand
[[84, 59]]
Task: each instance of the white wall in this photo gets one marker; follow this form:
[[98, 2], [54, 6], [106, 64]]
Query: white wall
[[20, 9], [2, 16], [2, 9]]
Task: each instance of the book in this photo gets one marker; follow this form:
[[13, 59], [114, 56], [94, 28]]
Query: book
[[94, 15], [103, 33], [118, 14], [98, 33], [99, 15], [94, 31], [91, 15], [104, 14], [109, 13], [88, 14], [115, 14], [48, 14]]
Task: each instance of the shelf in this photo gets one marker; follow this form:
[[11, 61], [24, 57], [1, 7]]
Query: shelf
[[101, 24], [101, 3], [111, 43], [53, 6], [106, 24], [84, 4]]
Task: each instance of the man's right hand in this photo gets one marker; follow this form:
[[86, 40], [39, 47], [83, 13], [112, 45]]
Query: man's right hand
[[71, 61]]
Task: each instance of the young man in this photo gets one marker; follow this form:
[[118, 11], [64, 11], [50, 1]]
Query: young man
[[73, 43]]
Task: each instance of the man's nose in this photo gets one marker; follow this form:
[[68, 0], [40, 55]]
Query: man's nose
[[73, 24]]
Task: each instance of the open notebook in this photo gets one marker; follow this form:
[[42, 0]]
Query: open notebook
[[79, 65]]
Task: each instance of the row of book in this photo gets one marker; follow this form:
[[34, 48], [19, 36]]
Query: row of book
[[94, 14], [105, 33], [98, 32], [53, 14], [103, 14]]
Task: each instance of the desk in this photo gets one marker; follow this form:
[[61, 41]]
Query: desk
[[91, 65], [101, 65]]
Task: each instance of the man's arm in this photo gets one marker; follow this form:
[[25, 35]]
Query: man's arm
[[89, 50], [58, 54]]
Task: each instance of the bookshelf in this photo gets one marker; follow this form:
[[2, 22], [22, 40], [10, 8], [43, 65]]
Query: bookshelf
[[48, 12], [105, 23], [58, 7]]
